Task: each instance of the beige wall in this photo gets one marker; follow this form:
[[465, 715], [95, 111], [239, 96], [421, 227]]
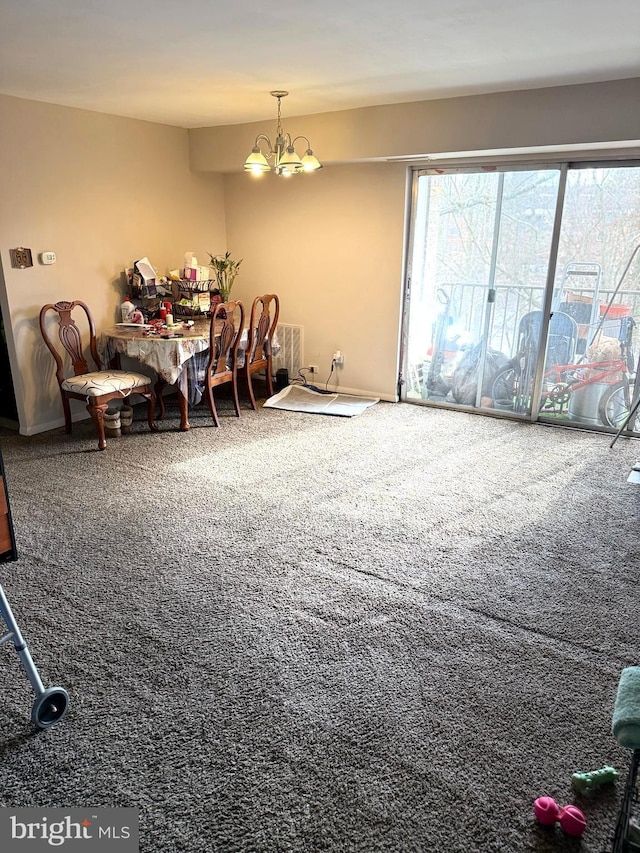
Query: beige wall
[[565, 115], [330, 245], [100, 191]]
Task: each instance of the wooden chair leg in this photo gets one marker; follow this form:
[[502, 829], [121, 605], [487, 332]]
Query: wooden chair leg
[[151, 411], [158, 388], [269, 377], [66, 408], [236, 402], [97, 416], [252, 398], [212, 405]]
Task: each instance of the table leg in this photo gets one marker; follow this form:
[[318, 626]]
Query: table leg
[[184, 411], [183, 399], [183, 403]]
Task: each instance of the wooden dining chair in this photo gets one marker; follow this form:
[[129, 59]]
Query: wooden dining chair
[[98, 387], [227, 323], [263, 320]]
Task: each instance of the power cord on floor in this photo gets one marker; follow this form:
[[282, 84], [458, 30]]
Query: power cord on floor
[[302, 380]]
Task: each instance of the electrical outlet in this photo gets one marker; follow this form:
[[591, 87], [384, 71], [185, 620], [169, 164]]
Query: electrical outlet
[[338, 358], [314, 368]]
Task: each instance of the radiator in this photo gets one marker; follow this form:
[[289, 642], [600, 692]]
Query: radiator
[[291, 354]]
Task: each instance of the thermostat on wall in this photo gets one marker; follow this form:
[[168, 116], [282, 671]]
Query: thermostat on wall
[[48, 258]]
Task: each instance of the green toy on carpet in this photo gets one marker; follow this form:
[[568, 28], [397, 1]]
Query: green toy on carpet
[[588, 781]]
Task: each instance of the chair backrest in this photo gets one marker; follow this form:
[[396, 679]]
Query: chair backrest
[[227, 323], [69, 337], [563, 336], [529, 330], [263, 320], [563, 339]]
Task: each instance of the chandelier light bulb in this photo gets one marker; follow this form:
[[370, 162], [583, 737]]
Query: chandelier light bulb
[[290, 160], [310, 162], [256, 162]]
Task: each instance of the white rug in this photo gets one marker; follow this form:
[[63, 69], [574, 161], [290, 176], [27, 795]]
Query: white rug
[[298, 398], [634, 475]]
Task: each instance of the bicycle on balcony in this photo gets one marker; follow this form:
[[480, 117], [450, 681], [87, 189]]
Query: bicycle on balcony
[[607, 367]]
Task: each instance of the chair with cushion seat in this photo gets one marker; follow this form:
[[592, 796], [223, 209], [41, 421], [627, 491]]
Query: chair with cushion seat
[[262, 328], [227, 323], [96, 388]]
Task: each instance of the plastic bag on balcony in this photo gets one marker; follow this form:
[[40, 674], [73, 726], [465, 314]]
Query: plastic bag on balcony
[[464, 387]]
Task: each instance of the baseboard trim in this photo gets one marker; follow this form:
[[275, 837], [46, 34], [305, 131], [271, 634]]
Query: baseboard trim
[[49, 425], [59, 422], [357, 392]]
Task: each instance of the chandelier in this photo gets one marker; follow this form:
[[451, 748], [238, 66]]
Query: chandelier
[[286, 161]]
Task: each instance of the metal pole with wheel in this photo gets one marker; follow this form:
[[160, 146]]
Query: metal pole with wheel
[[51, 703], [633, 408], [627, 420]]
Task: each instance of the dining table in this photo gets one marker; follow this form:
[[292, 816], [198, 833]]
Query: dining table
[[172, 352]]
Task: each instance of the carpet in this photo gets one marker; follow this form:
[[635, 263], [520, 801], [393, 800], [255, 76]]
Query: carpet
[[299, 398], [385, 634]]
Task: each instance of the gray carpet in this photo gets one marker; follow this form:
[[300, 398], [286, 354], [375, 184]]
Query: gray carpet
[[384, 633]]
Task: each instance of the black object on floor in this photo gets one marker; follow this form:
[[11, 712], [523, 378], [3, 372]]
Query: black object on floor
[[282, 378]]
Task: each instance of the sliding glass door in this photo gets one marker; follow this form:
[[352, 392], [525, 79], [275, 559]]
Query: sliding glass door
[[516, 301], [597, 285]]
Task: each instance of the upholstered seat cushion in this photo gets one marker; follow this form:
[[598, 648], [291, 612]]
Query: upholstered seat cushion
[[104, 382]]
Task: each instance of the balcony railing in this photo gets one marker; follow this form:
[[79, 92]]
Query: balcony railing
[[468, 304]]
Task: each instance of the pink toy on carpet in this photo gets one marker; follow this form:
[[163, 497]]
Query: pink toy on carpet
[[570, 818]]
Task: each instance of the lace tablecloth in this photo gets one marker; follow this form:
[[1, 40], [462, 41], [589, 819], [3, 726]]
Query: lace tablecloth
[[177, 361], [167, 356]]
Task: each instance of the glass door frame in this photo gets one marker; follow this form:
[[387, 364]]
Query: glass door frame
[[564, 167]]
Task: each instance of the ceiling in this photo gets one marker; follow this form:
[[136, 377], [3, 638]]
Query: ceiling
[[200, 63]]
